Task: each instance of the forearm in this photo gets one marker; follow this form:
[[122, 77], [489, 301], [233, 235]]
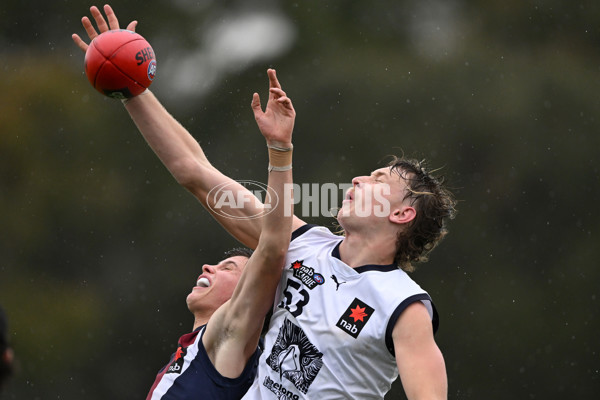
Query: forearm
[[254, 293], [184, 158], [171, 142], [265, 266], [277, 222]]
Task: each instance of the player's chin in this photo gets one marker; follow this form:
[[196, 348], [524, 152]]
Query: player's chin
[[197, 291], [193, 299], [346, 210]]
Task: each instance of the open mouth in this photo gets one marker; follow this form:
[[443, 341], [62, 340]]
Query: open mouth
[[203, 282], [349, 195]]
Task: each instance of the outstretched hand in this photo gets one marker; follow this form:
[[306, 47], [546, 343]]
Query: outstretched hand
[[113, 24], [276, 123]]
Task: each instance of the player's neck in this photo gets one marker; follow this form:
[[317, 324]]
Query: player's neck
[[200, 319], [358, 250]]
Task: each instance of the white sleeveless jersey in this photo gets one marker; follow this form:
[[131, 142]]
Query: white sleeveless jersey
[[330, 333]]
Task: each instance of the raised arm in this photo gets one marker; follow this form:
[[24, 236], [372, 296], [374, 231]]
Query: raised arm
[[233, 331], [181, 153], [185, 159]]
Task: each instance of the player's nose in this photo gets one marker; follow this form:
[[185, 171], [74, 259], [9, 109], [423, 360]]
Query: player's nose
[[358, 180], [209, 269]]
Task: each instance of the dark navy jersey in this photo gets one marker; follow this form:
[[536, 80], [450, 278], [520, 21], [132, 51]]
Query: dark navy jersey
[[191, 375]]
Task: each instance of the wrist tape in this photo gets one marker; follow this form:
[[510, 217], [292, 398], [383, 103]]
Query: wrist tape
[[280, 158]]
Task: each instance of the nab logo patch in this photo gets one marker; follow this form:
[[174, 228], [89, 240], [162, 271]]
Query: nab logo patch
[[307, 275], [355, 318], [177, 365]]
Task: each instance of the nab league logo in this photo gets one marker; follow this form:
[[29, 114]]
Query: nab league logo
[[355, 318], [307, 275], [177, 365]]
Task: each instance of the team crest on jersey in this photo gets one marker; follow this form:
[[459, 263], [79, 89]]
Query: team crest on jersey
[[307, 275], [355, 318], [294, 357], [177, 365]]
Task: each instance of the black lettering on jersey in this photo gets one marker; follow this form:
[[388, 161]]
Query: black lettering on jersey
[[355, 318], [295, 298], [279, 390]]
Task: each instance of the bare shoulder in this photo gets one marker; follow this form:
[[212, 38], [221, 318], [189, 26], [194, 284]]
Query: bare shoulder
[[420, 362], [227, 350], [414, 324]]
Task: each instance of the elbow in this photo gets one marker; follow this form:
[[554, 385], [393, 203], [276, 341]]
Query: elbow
[[187, 172], [274, 253]]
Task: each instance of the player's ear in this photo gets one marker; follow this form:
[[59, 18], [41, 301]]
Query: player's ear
[[403, 215]]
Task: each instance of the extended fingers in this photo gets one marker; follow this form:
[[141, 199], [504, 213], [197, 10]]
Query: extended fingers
[[113, 22], [89, 28], [256, 105], [131, 26], [100, 21], [79, 42], [273, 81]]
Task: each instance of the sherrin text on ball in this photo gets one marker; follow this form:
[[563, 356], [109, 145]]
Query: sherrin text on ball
[[120, 64]]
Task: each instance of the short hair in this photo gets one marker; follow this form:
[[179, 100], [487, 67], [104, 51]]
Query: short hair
[[434, 204], [239, 252]]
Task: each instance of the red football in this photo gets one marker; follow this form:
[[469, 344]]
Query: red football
[[120, 64]]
